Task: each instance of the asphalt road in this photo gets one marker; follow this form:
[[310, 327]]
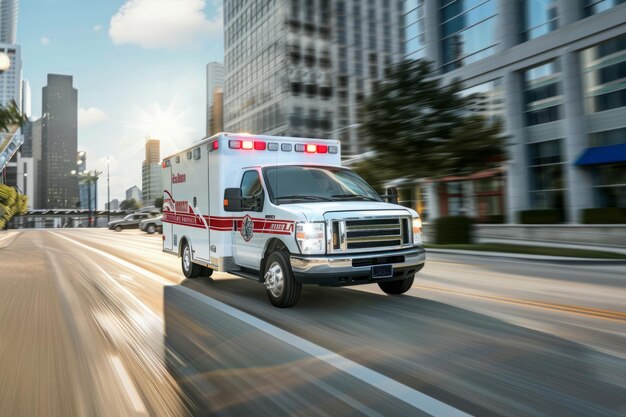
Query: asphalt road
[[98, 323]]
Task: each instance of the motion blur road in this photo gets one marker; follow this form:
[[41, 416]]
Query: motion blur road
[[99, 323]]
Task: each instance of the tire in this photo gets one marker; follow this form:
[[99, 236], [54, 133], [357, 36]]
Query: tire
[[160, 229], [118, 228], [190, 270], [281, 287], [151, 229], [206, 272], [397, 287]]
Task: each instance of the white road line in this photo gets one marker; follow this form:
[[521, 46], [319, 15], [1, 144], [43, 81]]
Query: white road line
[[393, 388], [120, 261], [7, 236], [129, 387]]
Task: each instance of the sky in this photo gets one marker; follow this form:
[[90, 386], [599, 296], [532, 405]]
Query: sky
[[139, 67]]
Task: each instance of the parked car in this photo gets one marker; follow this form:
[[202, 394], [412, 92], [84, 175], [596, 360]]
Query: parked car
[[129, 222], [152, 225]]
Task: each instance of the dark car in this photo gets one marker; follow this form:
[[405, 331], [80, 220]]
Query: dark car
[[129, 222]]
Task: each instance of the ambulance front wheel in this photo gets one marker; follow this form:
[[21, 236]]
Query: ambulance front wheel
[[282, 289], [190, 270]]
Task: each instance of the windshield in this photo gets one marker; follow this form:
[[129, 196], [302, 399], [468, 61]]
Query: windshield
[[129, 217], [288, 184]]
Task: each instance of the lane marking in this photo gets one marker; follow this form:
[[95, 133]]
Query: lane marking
[[128, 384], [375, 379], [120, 261], [579, 310], [390, 386]]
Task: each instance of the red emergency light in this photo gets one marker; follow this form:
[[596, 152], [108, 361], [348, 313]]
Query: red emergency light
[[322, 149], [260, 146]]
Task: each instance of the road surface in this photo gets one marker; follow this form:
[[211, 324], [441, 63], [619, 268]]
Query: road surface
[[99, 323]]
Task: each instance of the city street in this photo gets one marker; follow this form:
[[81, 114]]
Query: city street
[[100, 323]]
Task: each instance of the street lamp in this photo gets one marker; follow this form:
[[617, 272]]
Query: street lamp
[[5, 62]]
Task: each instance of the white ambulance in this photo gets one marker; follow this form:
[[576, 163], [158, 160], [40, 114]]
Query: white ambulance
[[282, 211]]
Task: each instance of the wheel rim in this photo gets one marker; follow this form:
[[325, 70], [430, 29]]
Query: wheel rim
[[275, 279], [151, 229], [186, 258]]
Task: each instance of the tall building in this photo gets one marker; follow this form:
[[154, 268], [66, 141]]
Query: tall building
[[151, 175], [26, 99], [58, 189], [301, 67], [133, 193], [217, 112], [11, 79], [8, 20], [113, 206], [553, 71], [214, 82], [87, 184]]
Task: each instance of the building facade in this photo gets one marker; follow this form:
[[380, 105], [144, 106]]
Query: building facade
[[133, 193], [8, 20], [58, 187], [554, 72], [11, 79], [302, 67], [214, 86], [151, 173], [113, 206]]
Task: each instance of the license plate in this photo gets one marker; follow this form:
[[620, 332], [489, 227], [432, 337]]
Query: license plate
[[382, 271]]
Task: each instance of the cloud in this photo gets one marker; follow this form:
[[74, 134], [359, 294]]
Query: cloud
[[97, 28], [45, 40], [90, 116], [163, 23]]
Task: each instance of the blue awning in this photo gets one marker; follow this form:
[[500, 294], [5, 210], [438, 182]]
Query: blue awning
[[603, 155]]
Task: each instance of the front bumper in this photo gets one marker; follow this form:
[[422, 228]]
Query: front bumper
[[346, 269]]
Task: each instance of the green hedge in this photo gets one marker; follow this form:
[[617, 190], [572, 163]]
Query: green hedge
[[604, 216], [453, 230], [549, 216]]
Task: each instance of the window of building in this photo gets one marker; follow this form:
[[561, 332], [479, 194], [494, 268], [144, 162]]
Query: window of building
[[604, 75], [610, 185], [542, 93], [540, 18], [608, 137], [598, 6], [468, 31], [487, 100], [546, 175]]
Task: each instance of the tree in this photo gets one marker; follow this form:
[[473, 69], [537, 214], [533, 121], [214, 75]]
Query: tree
[[130, 205], [10, 117], [420, 127], [12, 204], [158, 203]]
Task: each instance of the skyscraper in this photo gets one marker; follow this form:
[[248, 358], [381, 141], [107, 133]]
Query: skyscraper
[[26, 99], [151, 175], [217, 112], [8, 21], [550, 71], [58, 189], [214, 81], [11, 79], [133, 193], [301, 67]]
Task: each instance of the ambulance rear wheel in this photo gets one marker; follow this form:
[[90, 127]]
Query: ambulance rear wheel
[[282, 289], [190, 270], [206, 271]]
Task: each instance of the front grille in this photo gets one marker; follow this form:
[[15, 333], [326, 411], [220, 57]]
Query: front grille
[[364, 234]]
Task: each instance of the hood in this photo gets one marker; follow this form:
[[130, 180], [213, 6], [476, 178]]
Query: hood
[[116, 221], [315, 211]]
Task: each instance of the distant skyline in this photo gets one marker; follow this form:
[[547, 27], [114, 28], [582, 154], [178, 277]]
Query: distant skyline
[[139, 67]]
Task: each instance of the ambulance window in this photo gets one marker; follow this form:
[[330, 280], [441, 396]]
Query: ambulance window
[[251, 184]]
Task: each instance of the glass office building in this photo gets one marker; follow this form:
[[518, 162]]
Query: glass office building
[[557, 68]]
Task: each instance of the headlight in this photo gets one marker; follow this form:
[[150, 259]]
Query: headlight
[[417, 230], [311, 238]]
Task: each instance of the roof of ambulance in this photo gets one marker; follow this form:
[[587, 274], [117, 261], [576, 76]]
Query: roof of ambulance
[[247, 136]]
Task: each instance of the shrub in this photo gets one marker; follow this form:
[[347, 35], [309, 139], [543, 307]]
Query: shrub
[[612, 215], [453, 230], [493, 219], [544, 216]]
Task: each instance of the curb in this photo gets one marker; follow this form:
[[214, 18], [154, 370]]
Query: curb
[[525, 257]]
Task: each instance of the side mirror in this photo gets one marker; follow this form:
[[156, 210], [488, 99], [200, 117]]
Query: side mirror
[[233, 200], [391, 195]]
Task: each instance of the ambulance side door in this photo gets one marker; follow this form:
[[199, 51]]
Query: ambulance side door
[[248, 239]]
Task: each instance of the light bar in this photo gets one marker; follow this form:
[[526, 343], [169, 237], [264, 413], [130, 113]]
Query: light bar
[[333, 149], [322, 149], [299, 147], [234, 144], [272, 146], [260, 146], [310, 148], [247, 145], [286, 147]]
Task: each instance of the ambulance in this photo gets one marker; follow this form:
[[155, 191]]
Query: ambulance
[[284, 212]]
